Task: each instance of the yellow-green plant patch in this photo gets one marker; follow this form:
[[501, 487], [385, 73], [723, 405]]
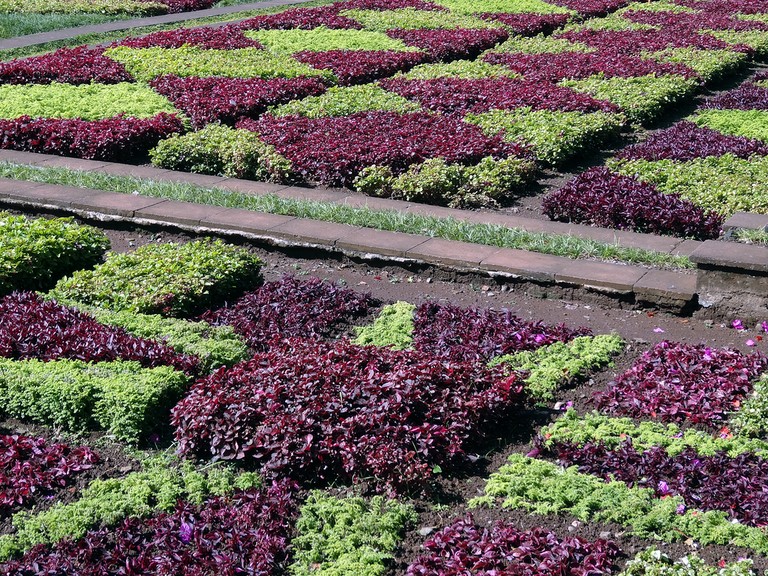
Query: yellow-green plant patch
[[709, 64], [86, 101], [412, 19], [658, 6], [345, 101], [755, 39], [611, 22], [541, 44], [504, 6], [322, 39], [747, 123], [81, 6]]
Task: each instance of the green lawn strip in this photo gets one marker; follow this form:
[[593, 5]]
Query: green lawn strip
[[343, 101], [747, 236], [348, 536], [126, 7], [751, 420], [541, 44], [391, 220], [35, 253], [755, 39], [612, 432], [653, 562], [156, 488], [542, 487], [709, 64], [641, 98], [392, 327], [505, 6], [171, 279], [726, 184], [120, 397], [554, 136], [144, 64], [216, 346], [85, 101], [554, 365], [20, 24], [747, 123], [458, 69], [321, 39], [412, 19]]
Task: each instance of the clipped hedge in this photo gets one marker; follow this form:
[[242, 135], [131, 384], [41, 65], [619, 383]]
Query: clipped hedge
[[161, 483], [343, 101], [170, 279], [36, 253], [392, 327], [221, 150], [120, 397]]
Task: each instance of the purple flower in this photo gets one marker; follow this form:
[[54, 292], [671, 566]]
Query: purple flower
[[663, 488], [680, 509], [658, 330], [750, 342], [707, 354], [764, 325], [185, 532], [737, 324]]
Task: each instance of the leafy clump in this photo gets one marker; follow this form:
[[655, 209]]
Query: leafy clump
[[34, 253], [348, 536], [171, 279], [751, 419], [653, 562], [80, 65], [347, 100], [392, 327]]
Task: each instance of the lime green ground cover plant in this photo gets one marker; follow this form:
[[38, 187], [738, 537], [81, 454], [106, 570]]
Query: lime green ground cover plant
[[348, 536], [343, 101], [132, 7], [392, 327], [612, 432], [391, 220], [411, 19], [725, 184], [653, 562], [321, 39], [641, 98], [751, 419], [458, 69], [171, 279], [162, 482], [747, 123], [86, 101], [613, 21], [656, 6], [509, 6], [144, 64], [542, 487], [120, 397], [755, 39], [554, 365], [34, 253], [541, 44], [553, 136], [709, 64]]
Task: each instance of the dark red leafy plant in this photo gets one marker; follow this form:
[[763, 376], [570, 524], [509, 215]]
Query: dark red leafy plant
[[463, 96], [735, 485], [387, 5], [748, 96], [360, 66], [79, 65], [592, 7], [31, 327], [503, 550], [726, 6], [291, 307], [176, 6], [607, 199], [441, 44], [635, 42], [116, 139], [332, 151], [528, 24], [301, 18], [676, 382], [229, 37], [480, 334], [693, 22], [329, 412], [246, 532], [687, 141], [31, 467], [226, 100]]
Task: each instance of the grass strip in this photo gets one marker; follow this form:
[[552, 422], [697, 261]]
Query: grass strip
[[389, 220]]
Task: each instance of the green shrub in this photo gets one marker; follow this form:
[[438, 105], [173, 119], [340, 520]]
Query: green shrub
[[157, 487], [86, 101], [554, 136], [725, 184], [752, 418], [755, 39], [642, 98], [36, 253], [709, 64], [171, 279], [544, 488], [653, 562], [411, 19], [747, 123], [120, 397], [549, 367], [541, 44], [82, 6], [392, 327], [345, 101], [510, 6], [225, 151], [348, 536], [321, 39], [612, 432], [458, 69], [144, 64]]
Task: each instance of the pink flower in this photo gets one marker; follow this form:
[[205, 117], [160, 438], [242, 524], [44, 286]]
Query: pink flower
[[658, 330], [764, 325], [737, 324], [750, 342]]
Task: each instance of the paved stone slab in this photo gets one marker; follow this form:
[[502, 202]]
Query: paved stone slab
[[746, 220], [686, 247], [203, 180], [601, 275], [72, 163], [452, 253], [312, 231], [373, 203], [114, 203], [369, 241], [19, 157], [314, 194], [49, 195], [530, 265], [145, 172], [9, 187], [733, 255], [667, 284], [250, 187], [184, 213], [246, 221]]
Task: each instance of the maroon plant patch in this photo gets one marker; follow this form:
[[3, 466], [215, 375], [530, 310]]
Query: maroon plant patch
[[451, 44], [229, 37], [748, 96], [79, 65], [360, 66], [528, 24]]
